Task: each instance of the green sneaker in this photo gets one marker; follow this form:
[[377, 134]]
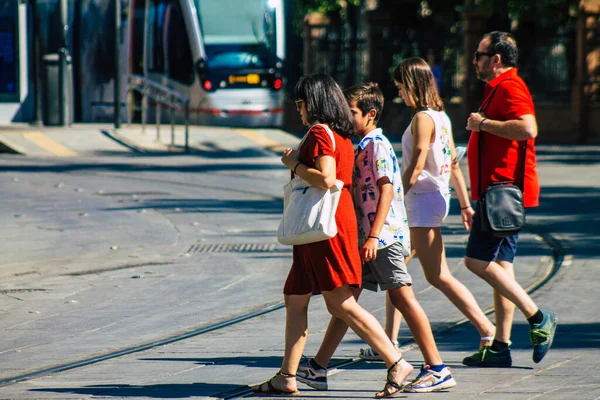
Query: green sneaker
[[486, 357], [542, 335]]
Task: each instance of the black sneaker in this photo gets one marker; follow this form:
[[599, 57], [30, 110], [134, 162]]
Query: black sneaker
[[486, 357]]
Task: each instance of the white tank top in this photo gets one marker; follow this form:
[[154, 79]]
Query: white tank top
[[436, 173]]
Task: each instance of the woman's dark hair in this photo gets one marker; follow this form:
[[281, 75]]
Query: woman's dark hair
[[505, 45], [325, 103], [416, 76], [368, 97]]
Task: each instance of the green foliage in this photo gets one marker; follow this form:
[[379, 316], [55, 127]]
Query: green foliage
[[303, 7], [545, 13]]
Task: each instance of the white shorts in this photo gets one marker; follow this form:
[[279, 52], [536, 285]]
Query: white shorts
[[427, 210]]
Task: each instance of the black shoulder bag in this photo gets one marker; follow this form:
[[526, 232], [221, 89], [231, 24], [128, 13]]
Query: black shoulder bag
[[500, 206]]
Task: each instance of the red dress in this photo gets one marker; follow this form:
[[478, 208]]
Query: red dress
[[326, 265]]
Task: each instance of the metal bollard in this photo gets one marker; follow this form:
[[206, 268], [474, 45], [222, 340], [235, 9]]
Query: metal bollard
[[144, 110], [130, 106], [158, 112], [187, 124], [173, 102]]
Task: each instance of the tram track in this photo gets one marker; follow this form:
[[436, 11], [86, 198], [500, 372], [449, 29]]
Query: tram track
[[559, 253], [553, 267], [558, 256], [102, 356]]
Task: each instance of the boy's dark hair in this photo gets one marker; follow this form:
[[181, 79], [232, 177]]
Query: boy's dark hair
[[325, 103], [368, 97], [505, 45]]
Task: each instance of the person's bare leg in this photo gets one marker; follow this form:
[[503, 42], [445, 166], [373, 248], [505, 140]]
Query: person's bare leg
[[429, 245], [342, 304], [505, 309], [393, 319], [336, 330], [412, 255], [504, 283], [404, 299], [296, 330]]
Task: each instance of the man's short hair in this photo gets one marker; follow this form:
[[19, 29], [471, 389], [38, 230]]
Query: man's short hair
[[505, 45]]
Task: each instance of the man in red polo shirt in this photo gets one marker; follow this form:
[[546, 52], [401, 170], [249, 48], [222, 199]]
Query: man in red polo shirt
[[505, 119]]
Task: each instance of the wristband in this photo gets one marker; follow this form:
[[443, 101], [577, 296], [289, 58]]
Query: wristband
[[296, 167], [481, 123], [464, 208], [373, 237]]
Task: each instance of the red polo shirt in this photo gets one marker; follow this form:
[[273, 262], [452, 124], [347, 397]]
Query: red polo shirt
[[510, 100]]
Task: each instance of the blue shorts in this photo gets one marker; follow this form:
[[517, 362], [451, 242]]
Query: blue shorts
[[486, 247]]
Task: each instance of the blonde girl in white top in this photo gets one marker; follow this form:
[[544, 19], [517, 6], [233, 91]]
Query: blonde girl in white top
[[428, 166], [429, 196]]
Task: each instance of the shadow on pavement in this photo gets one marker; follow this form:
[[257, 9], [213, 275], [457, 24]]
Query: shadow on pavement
[[138, 167], [165, 391], [571, 211]]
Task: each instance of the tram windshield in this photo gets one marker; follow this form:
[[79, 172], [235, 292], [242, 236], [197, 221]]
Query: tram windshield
[[238, 33]]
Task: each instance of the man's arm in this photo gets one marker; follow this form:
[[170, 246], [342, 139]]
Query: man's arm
[[522, 128]]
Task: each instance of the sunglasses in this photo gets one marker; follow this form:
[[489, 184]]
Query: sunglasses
[[299, 104], [478, 54]]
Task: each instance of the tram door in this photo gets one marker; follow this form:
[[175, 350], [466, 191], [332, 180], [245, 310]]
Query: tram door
[[160, 45]]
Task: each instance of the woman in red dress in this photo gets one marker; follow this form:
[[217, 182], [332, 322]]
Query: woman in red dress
[[330, 267]]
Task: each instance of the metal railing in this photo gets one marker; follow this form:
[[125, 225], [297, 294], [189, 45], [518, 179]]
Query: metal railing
[[162, 95]]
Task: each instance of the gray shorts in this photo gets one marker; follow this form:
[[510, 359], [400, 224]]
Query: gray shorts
[[387, 271]]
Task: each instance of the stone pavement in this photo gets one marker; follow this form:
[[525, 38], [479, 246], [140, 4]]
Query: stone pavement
[[103, 139], [557, 261]]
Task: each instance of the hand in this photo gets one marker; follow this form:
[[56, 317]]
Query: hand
[[467, 217], [474, 121], [369, 250], [289, 158]]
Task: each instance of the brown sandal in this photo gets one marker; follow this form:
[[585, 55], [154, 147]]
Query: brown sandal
[[271, 390], [387, 392]]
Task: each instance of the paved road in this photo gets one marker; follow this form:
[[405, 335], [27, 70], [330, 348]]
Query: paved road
[[127, 244]]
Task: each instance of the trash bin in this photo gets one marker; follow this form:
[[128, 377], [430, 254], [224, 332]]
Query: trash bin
[[55, 112]]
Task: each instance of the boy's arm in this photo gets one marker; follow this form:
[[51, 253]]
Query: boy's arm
[[386, 194]]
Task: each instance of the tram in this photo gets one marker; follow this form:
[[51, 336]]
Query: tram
[[226, 56]]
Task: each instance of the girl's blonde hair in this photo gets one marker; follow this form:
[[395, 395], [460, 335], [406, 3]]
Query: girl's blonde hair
[[416, 76]]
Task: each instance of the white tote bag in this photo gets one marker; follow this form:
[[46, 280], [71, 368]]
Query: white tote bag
[[309, 212]]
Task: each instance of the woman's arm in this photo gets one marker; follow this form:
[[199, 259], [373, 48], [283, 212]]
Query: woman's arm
[[460, 186], [322, 176], [423, 130]]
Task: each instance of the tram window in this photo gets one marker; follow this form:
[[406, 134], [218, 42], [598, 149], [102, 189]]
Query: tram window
[[9, 57], [156, 40], [177, 46]]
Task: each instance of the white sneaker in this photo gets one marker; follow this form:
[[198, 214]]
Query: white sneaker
[[369, 354], [315, 378], [431, 381]]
